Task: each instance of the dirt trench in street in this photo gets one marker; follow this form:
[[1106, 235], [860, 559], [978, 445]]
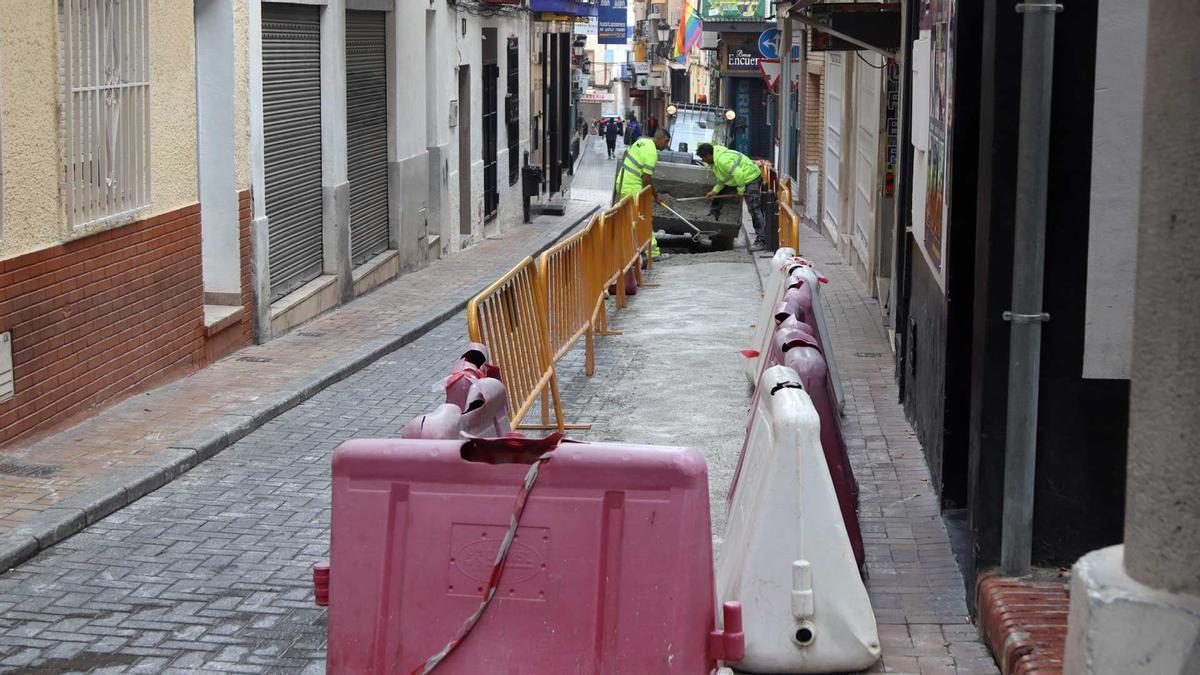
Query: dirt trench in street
[[674, 376]]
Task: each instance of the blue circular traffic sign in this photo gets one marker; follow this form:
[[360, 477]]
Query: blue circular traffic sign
[[769, 42]]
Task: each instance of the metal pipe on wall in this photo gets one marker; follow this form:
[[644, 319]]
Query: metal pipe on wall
[[1029, 254], [785, 94]]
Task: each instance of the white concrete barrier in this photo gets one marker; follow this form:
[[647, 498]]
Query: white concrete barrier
[[786, 555]]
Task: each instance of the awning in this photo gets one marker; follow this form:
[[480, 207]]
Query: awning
[[850, 26], [568, 7]]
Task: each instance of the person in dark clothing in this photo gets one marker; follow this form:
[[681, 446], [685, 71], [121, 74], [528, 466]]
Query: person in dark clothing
[[633, 131], [651, 126], [611, 131]]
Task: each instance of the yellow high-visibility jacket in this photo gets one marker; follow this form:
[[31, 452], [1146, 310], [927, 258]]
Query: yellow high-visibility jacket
[[733, 169]]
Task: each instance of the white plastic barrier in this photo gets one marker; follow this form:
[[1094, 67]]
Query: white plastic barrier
[[786, 555], [773, 290]]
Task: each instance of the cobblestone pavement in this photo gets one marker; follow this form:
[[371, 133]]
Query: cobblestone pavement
[[211, 573], [115, 442]]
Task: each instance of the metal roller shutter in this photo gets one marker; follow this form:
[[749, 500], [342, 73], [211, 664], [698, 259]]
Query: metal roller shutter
[[367, 132], [867, 81], [291, 45], [835, 83]]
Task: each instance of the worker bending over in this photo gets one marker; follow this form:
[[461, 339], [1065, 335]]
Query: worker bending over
[[636, 171], [733, 169]]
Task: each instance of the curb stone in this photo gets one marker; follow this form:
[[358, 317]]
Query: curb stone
[[113, 493]]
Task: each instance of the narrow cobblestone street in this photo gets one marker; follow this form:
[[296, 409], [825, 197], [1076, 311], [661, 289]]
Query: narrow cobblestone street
[[212, 572]]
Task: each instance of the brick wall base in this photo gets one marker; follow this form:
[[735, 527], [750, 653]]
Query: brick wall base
[[1024, 623], [98, 318]]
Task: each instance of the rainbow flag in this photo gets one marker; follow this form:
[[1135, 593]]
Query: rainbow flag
[[689, 31]]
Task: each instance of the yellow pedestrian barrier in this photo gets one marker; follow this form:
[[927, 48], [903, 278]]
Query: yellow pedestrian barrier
[[620, 252], [644, 228], [570, 290], [789, 228], [510, 318], [532, 316]]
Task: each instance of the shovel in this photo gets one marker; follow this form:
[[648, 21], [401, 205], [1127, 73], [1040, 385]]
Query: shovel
[[701, 237], [696, 199]]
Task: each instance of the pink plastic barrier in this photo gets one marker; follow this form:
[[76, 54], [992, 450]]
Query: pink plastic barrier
[[610, 571], [487, 409], [444, 423], [473, 365], [803, 356]]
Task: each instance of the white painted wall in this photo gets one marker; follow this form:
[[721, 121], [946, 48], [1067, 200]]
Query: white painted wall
[[220, 250], [427, 38], [1116, 181]]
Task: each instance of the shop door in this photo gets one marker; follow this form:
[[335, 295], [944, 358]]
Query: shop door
[[867, 80], [835, 82], [491, 128]]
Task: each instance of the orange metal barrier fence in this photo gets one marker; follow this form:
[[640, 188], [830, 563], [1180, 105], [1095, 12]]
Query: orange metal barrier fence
[[571, 285], [510, 318], [532, 316]]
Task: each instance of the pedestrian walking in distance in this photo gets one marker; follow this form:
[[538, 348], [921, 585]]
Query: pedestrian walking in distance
[[611, 132], [633, 130]]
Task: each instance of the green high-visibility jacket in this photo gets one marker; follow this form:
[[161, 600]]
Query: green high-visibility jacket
[[640, 159], [733, 169]]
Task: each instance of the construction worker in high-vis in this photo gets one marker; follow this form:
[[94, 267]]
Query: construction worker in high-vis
[[733, 169], [636, 171]]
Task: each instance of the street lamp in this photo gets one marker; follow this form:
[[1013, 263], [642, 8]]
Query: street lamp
[[664, 31]]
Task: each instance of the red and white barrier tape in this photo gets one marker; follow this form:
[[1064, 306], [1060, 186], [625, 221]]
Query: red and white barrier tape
[[497, 569]]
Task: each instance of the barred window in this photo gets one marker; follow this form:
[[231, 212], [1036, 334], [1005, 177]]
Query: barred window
[[105, 111]]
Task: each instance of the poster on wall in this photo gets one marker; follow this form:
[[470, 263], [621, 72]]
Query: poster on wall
[[937, 21], [732, 10], [611, 20]]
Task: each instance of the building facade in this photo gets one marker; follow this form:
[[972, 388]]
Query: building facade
[[920, 195], [181, 178], [103, 286], [395, 160]]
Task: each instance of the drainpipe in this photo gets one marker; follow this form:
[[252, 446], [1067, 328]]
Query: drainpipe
[[784, 119], [1029, 254]]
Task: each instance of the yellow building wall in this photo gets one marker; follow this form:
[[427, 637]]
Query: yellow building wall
[[29, 84], [29, 59]]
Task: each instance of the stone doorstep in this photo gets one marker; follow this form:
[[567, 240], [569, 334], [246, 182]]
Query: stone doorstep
[[111, 493], [1024, 623]]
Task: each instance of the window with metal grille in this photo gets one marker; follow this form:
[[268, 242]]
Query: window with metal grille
[[105, 115]]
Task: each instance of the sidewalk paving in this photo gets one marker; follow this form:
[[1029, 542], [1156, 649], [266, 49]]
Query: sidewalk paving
[[76, 476], [914, 582]]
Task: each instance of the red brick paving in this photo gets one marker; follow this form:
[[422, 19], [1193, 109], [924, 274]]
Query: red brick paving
[[914, 581]]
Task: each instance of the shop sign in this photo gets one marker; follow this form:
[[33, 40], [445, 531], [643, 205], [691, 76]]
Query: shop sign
[[551, 16], [739, 58], [726, 10], [613, 19]]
